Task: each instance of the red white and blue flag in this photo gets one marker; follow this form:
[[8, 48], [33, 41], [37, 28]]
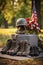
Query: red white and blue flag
[[33, 23]]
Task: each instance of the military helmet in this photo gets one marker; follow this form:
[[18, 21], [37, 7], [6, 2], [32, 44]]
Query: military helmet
[[21, 22]]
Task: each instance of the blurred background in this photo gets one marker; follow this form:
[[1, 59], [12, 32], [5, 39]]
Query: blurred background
[[11, 10]]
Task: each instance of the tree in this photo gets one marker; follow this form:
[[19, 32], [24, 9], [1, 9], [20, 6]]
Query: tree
[[2, 4], [3, 22], [16, 8], [2, 19], [41, 13], [25, 10], [13, 21]]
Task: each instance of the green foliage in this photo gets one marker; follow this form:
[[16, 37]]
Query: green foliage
[[7, 12], [23, 12], [20, 8]]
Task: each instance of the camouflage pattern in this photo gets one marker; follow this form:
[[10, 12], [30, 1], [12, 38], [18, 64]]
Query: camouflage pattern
[[21, 22], [14, 46], [26, 48], [7, 47], [21, 48]]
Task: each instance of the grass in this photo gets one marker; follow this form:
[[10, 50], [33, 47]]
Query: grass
[[3, 39], [8, 31], [5, 34]]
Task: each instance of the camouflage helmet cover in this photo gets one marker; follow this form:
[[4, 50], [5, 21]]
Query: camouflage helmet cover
[[21, 22]]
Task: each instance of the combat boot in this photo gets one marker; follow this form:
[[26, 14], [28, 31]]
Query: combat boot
[[31, 51], [26, 48], [21, 48], [7, 47], [14, 48], [34, 51]]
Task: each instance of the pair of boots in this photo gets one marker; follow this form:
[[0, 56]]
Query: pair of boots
[[11, 47], [24, 48], [14, 48]]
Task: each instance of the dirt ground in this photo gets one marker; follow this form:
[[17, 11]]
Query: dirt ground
[[38, 61]]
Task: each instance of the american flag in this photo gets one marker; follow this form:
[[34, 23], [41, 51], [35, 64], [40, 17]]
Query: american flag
[[34, 19]]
